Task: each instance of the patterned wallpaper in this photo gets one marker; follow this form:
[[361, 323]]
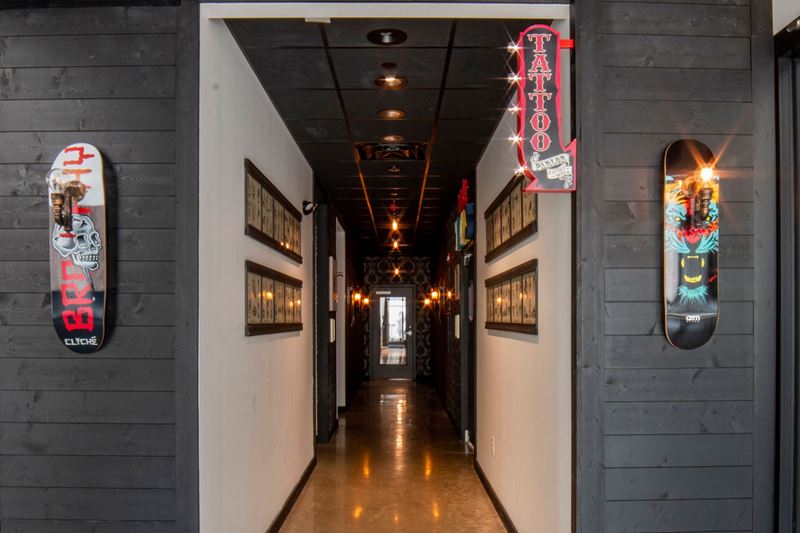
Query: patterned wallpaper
[[413, 271]]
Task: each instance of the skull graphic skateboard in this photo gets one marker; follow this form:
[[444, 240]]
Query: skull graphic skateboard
[[691, 244], [77, 238]]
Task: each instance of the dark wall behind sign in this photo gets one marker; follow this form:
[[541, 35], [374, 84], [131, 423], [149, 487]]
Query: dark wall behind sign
[[672, 440], [87, 438], [413, 271]]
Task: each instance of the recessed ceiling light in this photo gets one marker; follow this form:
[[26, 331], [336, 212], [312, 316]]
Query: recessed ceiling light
[[392, 138], [391, 113], [391, 82], [387, 36]]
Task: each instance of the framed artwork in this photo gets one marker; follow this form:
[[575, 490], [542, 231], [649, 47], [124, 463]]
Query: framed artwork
[[273, 301], [511, 299], [269, 217], [511, 218]]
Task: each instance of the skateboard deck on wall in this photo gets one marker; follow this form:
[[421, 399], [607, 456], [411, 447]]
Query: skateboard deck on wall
[[691, 244], [77, 208]]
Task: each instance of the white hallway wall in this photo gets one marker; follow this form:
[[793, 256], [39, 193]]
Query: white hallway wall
[[524, 385], [255, 393], [784, 12]]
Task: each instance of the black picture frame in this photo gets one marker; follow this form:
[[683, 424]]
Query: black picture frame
[[287, 282], [290, 245], [518, 274], [494, 250]]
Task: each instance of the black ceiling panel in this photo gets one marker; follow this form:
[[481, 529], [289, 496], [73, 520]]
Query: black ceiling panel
[[372, 130], [318, 130], [292, 68], [490, 33], [419, 32], [488, 102], [458, 151], [480, 67], [321, 152], [297, 104], [464, 130], [365, 103], [275, 33], [357, 68]]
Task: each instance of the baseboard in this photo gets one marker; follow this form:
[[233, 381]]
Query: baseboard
[[287, 506], [498, 506]]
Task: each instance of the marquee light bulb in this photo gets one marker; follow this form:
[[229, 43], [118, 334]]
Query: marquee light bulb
[[514, 78], [512, 47], [427, 301], [395, 245], [357, 296], [394, 225], [521, 170], [515, 138], [706, 174], [366, 301], [396, 271], [514, 109], [435, 295]]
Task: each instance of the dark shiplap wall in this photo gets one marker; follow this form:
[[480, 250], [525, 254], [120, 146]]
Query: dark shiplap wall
[[86, 438], [666, 438]]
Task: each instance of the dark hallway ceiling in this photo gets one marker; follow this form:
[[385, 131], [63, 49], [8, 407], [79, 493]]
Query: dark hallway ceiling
[[321, 78]]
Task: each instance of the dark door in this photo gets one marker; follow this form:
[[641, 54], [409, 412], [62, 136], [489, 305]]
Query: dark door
[[392, 332]]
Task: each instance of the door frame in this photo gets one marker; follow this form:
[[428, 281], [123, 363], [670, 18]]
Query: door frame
[[374, 323]]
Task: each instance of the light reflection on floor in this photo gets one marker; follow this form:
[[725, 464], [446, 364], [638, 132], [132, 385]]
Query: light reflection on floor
[[395, 464]]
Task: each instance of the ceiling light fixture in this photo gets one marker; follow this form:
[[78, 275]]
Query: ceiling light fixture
[[391, 82], [394, 169], [387, 37], [391, 114], [392, 138]]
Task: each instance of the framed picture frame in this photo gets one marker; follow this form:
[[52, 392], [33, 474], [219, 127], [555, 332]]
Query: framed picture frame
[[511, 218], [512, 299], [273, 301], [269, 217]]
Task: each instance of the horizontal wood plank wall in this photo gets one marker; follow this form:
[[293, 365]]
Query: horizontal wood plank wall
[[677, 428], [87, 442]]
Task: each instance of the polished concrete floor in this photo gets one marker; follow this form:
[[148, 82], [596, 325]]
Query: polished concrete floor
[[395, 464]]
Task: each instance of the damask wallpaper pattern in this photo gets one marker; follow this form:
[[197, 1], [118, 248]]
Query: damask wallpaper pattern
[[413, 271]]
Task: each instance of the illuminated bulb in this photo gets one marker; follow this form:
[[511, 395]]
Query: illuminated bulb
[[394, 225], [706, 174], [396, 271], [512, 47], [514, 109], [514, 78], [269, 295], [357, 296], [449, 294], [435, 295], [521, 170], [366, 301], [427, 301], [499, 300], [515, 138], [395, 245]]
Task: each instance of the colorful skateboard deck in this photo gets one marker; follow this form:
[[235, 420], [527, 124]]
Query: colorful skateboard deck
[[691, 244], [77, 208]]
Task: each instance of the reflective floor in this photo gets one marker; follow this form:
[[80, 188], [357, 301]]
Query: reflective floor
[[394, 465]]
